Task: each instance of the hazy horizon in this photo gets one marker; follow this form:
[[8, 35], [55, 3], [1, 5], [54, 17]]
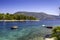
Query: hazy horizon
[[46, 6]]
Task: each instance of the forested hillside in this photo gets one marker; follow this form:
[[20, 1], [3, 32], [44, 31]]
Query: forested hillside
[[8, 16]]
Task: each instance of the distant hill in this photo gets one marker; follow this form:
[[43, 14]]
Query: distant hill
[[40, 16]]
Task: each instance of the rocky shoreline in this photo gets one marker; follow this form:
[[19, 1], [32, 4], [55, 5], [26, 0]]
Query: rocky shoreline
[[19, 20]]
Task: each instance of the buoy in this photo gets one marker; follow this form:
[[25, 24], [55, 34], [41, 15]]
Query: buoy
[[14, 27]]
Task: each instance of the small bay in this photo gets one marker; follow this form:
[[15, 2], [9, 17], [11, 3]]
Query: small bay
[[26, 29]]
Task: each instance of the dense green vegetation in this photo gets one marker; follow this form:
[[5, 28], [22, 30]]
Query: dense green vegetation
[[8, 16], [56, 32]]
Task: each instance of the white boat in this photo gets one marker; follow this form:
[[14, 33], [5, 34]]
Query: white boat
[[43, 25], [14, 27]]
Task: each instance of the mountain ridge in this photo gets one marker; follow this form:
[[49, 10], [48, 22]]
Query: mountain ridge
[[40, 15]]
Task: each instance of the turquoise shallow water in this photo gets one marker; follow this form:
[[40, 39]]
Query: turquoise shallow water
[[27, 30], [23, 34]]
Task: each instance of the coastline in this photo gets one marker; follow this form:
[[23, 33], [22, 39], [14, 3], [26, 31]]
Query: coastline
[[19, 20]]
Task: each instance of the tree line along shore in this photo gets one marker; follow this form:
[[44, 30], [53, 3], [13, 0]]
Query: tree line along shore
[[8, 16]]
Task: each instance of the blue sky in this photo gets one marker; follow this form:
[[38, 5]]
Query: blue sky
[[47, 6]]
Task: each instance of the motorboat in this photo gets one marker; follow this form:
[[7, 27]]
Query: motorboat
[[14, 27], [50, 27]]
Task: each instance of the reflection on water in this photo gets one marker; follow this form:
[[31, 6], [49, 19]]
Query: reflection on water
[[29, 30]]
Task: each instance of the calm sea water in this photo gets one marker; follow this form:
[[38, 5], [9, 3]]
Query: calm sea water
[[26, 30]]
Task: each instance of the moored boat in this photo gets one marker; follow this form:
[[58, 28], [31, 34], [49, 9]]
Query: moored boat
[[14, 27], [50, 27]]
